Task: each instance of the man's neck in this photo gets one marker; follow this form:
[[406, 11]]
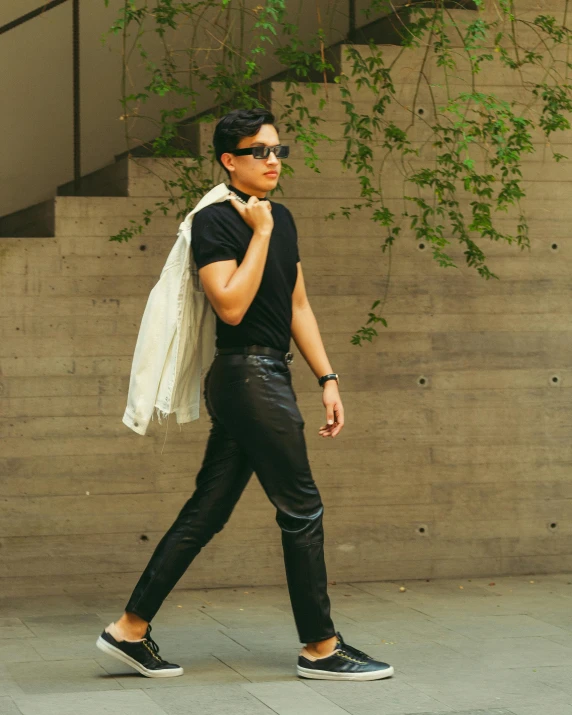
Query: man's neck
[[251, 191]]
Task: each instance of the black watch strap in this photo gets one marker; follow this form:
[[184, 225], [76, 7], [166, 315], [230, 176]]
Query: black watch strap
[[329, 376]]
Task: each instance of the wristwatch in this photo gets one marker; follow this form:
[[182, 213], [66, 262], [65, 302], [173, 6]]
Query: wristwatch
[[330, 376]]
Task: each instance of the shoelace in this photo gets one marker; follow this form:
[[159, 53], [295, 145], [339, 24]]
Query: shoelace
[[350, 650], [154, 646]]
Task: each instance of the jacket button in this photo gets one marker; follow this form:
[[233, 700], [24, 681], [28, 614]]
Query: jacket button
[[136, 424]]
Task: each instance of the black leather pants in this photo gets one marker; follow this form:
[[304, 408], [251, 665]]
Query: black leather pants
[[256, 426]]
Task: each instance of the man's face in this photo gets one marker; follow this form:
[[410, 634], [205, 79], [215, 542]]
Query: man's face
[[256, 175]]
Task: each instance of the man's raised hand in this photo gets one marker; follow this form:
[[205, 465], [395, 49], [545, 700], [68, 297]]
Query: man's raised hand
[[256, 213]]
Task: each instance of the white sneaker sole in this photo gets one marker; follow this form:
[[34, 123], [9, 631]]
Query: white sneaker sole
[[120, 655], [328, 675]]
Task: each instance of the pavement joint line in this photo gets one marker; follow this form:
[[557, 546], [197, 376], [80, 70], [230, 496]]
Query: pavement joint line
[[307, 685], [220, 660], [213, 618], [263, 703], [234, 641]]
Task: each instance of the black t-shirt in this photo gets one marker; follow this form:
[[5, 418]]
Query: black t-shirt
[[219, 234]]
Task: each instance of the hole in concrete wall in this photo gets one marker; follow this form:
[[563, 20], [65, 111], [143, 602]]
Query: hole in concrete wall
[[421, 111], [421, 246], [553, 525], [143, 538], [422, 530], [554, 246], [143, 247], [422, 380], [554, 380]]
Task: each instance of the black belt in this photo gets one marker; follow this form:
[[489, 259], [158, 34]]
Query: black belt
[[256, 350]]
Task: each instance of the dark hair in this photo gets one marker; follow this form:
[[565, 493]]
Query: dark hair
[[236, 125]]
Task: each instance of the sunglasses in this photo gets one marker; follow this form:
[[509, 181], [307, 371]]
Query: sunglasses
[[263, 152]]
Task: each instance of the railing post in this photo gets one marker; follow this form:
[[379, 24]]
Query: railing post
[[76, 98], [352, 21]]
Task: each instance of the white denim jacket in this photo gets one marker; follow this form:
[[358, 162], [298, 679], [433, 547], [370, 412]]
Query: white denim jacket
[[176, 340]]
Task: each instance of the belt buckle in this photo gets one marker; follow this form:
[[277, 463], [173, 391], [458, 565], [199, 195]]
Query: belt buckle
[[289, 357]]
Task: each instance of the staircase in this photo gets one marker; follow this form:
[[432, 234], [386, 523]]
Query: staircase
[[124, 178]]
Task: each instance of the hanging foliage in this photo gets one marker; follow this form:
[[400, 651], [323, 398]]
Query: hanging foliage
[[457, 146]]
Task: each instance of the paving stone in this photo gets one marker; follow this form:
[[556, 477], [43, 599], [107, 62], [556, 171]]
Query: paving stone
[[249, 616], [209, 700], [14, 628], [245, 596], [260, 667], [93, 603], [496, 711], [190, 645], [443, 608], [409, 657], [68, 624], [8, 686], [418, 630], [452, 653], [293, 699], [18, 650], [110, 703], [364, 606], [262, 639], [63, 647], [555, 709], [449, 588], [34, 606], [556, 677], [564, 639], [8, 707], [499, 626], [482, 689], [524, 586], [516, 652], [202, 670], [188, 613], [435, 599], [427, 604], [561, 619], [390, 696], [66, 676]]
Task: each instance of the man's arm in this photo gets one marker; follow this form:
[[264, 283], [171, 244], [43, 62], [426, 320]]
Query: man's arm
[[307, 337], [229, 287]]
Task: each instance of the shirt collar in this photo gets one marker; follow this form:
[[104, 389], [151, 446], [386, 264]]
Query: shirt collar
[[240, 193]]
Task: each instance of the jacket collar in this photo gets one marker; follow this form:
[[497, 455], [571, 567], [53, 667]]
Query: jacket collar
[[219, 193]]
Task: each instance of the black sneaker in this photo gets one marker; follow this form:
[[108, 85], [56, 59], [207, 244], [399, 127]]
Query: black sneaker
[[143, 655], [345, 663]]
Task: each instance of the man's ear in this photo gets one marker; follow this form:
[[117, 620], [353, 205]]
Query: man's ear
[[228, 161]]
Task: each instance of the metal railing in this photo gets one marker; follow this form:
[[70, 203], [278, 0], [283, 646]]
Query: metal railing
[[76, 75]]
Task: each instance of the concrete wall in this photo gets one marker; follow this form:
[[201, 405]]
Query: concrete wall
[[466, 473]]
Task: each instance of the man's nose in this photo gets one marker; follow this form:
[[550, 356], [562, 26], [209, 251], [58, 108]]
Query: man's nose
[[272, 158]]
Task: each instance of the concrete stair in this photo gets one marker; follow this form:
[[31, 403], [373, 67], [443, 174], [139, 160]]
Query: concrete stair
[[127, 178]]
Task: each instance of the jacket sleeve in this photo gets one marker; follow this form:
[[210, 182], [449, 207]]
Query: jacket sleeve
[[156, 334]]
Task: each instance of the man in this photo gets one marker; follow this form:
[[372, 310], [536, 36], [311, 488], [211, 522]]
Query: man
[[249, 266]]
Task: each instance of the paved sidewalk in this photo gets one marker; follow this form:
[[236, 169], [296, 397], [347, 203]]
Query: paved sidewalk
[[498, 646]]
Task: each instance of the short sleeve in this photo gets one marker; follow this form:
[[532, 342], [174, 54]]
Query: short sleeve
[[295, 232], [209, 240]]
